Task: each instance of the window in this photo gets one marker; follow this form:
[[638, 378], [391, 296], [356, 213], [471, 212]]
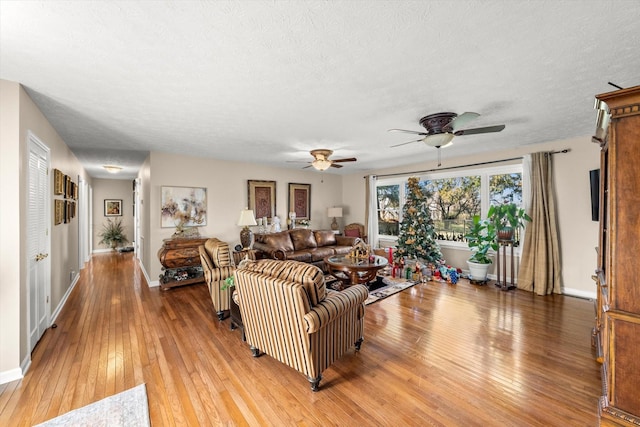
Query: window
[[453, 197], [388, 197]]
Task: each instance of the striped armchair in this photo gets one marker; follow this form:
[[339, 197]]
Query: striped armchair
[[218, 264], [289, 314]]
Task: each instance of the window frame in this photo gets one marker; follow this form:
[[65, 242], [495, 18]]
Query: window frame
[[484, 174]]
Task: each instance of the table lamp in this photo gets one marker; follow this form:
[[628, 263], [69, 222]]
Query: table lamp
[[335, 213], [246, 219]]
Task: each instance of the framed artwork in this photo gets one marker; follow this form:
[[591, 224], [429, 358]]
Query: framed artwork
[[262, 198], [72, 210], [58, 182], [183, 206], [67, 187], [300, 200], [66, 212], [112, 207], [58, 212]]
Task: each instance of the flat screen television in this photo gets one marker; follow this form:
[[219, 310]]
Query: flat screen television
[[594, 179]]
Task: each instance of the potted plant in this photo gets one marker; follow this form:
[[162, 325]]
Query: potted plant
[[112, 233], [506, 218], [481, 237]]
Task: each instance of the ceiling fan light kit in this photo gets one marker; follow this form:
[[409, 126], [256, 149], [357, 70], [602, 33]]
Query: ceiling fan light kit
[[321, 160], [321, 164], [439, 140]]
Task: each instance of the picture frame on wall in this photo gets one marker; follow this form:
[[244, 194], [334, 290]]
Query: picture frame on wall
[[112, 207], [58, 182], [262, 198], [67, 187], [300, 200], [58, 215], [184, 206]]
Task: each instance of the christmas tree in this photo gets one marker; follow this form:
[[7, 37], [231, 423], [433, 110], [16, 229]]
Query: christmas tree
[[417, 239]]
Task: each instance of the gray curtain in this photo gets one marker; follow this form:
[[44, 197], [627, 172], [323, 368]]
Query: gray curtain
[[540, 266]]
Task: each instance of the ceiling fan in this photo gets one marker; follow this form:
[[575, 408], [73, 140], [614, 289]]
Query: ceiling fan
[[322, 162], [441, 128]]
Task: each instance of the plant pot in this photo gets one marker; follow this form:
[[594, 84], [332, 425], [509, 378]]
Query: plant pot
[[505, 234], [478, 271]]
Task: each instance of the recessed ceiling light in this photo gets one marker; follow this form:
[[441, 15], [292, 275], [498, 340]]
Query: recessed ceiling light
[[112, 168]]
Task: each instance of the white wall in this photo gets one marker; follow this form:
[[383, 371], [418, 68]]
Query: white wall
[[578, 234], [226, 184], [121, 189], [19, 116]]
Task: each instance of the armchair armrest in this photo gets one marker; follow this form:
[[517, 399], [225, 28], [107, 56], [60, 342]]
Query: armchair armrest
[[347, 240], [273, 253], [336, 304]]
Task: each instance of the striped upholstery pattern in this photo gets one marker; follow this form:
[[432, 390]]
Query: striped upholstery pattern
[[218, 264], [280, 320]]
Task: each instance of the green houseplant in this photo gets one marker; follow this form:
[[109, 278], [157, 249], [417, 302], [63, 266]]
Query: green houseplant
[[112, 233], [506, 218], [481, 237]]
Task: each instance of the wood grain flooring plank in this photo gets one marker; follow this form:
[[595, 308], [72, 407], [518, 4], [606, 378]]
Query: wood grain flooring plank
[[435, 354]]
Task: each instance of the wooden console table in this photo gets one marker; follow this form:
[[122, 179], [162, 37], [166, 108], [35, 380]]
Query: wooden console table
[[180, 261]]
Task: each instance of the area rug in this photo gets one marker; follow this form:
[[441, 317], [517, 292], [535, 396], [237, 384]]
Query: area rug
[[390, 287], [129, 408], [378, 290]]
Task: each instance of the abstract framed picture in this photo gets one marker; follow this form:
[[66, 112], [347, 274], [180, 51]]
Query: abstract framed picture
[[300, 200], [262, 198], [185, 206], [112, 207]]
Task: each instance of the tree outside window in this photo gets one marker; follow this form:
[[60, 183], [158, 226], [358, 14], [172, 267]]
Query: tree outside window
[[454, 199], [388, 209]]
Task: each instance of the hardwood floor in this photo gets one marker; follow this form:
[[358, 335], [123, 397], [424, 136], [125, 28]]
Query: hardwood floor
[[435, 354]]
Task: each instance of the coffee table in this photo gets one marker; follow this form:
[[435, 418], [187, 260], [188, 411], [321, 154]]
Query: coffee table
[[353, 271]]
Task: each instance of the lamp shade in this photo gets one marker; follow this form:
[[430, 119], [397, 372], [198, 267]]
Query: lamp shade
[[247, 218], [334, 212]]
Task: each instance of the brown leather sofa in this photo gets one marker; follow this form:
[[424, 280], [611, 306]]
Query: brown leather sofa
[[301, 244]]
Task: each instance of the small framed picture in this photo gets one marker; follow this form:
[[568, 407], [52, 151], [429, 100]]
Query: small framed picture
[[112, 207]]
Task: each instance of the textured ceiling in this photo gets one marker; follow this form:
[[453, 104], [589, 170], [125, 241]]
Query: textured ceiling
[[267, 81]]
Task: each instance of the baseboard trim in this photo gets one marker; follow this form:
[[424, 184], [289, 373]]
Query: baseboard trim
[[100, 251], [63, 301], [150, 283], [11, 375], [579, 293]]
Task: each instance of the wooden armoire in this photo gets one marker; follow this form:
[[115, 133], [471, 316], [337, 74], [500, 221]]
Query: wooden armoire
[[617, 330]]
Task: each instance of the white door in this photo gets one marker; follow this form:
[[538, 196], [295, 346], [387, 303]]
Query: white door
[[38, 240]]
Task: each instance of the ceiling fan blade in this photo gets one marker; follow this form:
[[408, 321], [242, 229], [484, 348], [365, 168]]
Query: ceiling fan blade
[[333, 165], [487, 129], [307, 167], [461, 121], [407, 131], [405, 143], [350, 159]]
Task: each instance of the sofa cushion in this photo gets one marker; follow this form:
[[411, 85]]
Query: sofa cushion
[[342, 250], [303, 238], [320, 253], [308, 275], [302, 256], [280, 240], [325, 237]]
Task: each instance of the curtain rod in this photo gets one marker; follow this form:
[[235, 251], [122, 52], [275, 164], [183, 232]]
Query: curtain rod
[[566, 150]]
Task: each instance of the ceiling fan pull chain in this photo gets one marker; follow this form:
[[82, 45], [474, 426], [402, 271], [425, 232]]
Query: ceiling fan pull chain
[[439, 162]]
